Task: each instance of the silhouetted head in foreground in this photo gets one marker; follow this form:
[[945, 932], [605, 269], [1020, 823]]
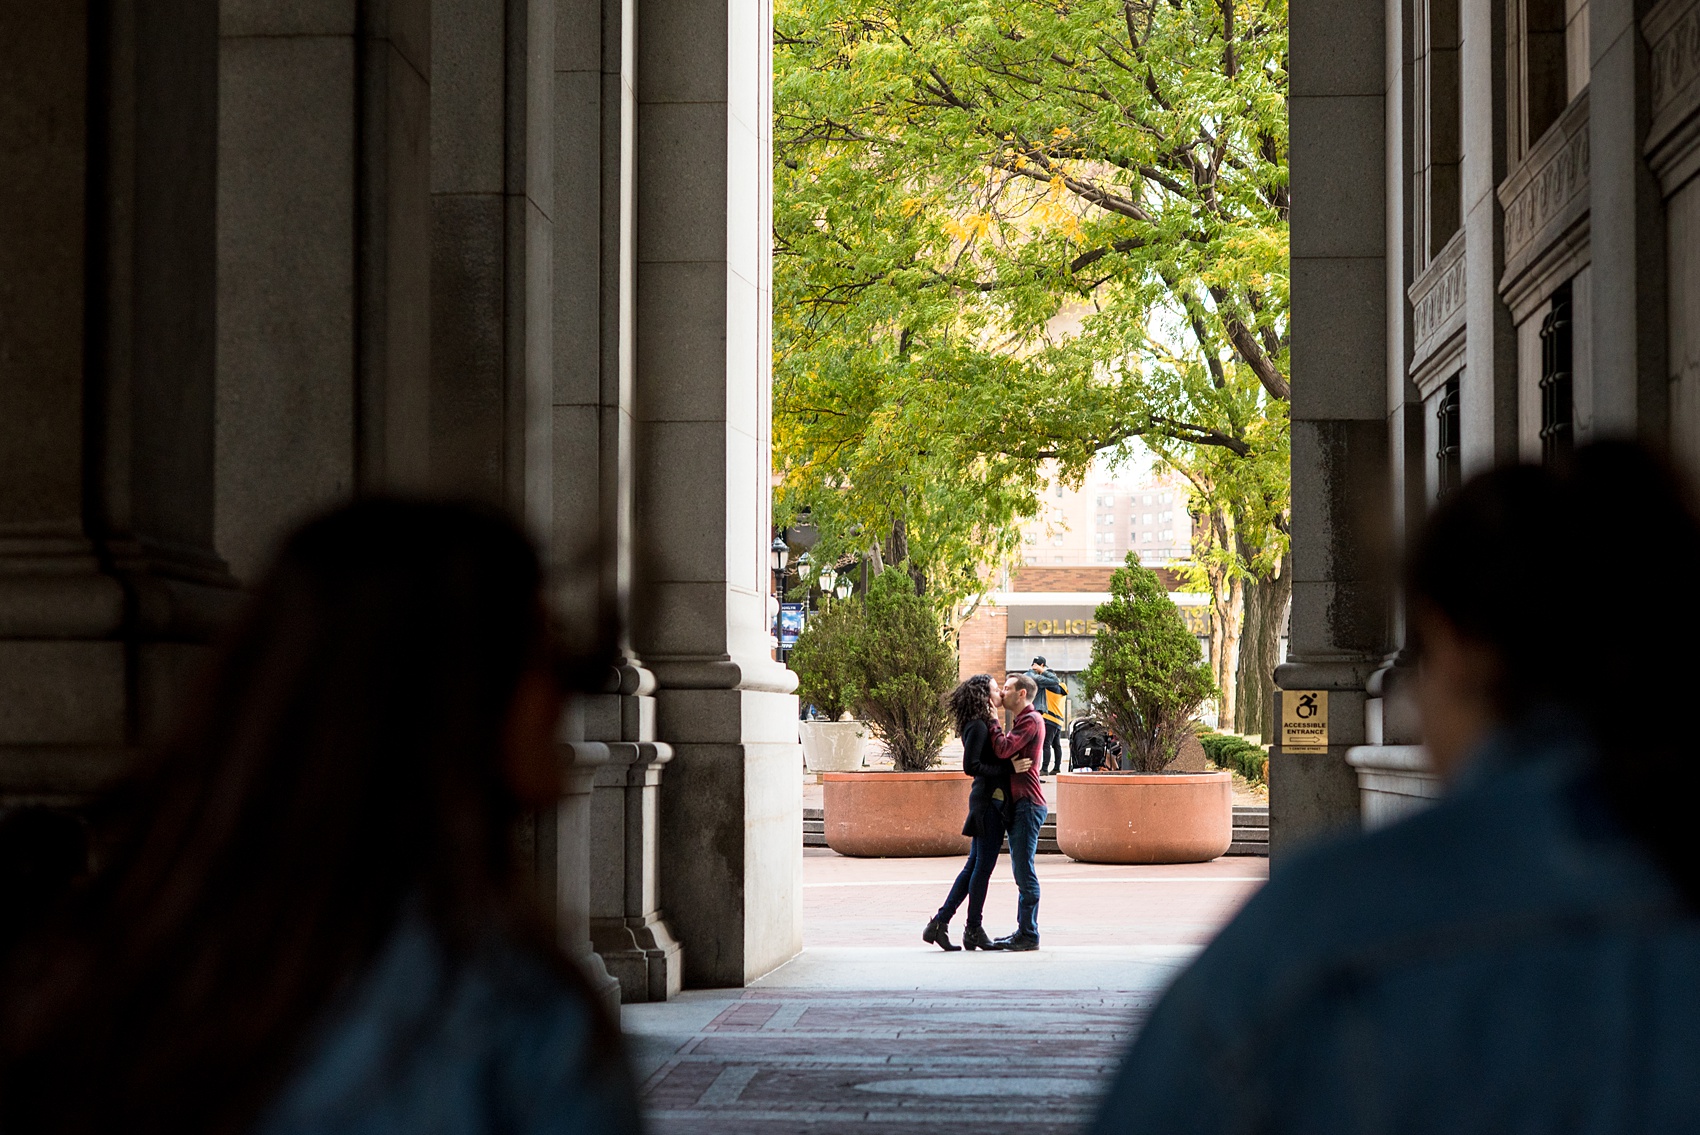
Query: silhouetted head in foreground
[[1526, 592], [374, 726]]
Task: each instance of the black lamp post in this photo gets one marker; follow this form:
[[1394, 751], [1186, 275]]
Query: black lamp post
[[778, 554]]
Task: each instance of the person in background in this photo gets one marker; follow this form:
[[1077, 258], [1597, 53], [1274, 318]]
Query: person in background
[[311, 919], [991, 807], [1525, 954], [1020, 746], [1051, 701]]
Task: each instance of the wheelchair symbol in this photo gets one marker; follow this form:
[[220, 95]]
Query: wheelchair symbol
[[1306, 707]]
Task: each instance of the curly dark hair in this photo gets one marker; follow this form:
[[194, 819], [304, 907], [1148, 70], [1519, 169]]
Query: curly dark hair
[[971, 700]]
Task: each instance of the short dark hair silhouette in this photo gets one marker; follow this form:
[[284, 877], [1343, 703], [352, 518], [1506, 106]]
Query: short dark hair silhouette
[[1534, 563]]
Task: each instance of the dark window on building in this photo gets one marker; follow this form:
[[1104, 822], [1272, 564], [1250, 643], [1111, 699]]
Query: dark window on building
[[1448, 455], [1436, 127], [1557, 433]]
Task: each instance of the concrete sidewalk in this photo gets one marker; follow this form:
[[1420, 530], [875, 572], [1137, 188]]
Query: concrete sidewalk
[[869, 1030]]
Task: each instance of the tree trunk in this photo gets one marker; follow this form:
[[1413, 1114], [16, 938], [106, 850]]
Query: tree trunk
[[1260, 647], [1233, 619], [897, 548]]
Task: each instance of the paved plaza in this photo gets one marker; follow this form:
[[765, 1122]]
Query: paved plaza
[[871, 1031]]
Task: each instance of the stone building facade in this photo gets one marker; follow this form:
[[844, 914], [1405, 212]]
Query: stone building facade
[[1495, 256], [258, 257]]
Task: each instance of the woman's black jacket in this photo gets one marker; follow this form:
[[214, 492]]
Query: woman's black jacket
[[990, 775]]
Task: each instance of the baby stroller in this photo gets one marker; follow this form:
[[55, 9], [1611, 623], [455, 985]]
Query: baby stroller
[[1092, 746]]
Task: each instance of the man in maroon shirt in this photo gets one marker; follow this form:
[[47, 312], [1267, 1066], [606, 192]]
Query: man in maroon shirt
[[1020, 745]]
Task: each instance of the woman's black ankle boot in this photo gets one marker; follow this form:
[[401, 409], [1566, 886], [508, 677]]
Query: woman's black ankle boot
[[938, 933], [974, 938]]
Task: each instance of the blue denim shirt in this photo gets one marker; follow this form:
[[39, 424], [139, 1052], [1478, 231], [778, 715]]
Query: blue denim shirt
[[1507, 961], [498, 1044]]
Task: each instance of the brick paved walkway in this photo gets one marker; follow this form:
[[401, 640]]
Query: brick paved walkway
[[869, 1031]]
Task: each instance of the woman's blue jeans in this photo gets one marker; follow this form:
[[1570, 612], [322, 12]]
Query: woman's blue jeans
[[977, 872]]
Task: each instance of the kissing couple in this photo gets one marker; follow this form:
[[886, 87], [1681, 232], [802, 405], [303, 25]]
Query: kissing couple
[[1007, 797]]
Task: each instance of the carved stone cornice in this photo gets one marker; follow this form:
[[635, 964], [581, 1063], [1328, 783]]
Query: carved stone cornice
[[1437, 301], [1546, 196], [1672, 32]]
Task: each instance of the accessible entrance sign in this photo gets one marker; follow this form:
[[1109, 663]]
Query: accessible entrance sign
[[1304, 721]]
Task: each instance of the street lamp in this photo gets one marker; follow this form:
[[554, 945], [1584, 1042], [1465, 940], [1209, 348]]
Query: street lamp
[[845, 586], [777, 555]]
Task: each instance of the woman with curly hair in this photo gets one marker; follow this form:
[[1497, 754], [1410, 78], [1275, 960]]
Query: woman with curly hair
[[974, 704]]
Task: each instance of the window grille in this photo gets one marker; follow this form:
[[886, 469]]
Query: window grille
[[1448, 454], [1557, 434]]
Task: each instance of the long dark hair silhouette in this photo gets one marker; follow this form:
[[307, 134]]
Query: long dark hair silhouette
[[1530, 562], [344, 757]]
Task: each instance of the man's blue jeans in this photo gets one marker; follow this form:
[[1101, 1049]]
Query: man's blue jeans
[[1023, 846]]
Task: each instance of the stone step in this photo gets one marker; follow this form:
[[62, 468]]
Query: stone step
[[1259, 849]]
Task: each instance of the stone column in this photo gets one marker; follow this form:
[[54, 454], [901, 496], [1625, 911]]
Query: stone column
[[1627, 289], [108, 577], [731, 808], [323, 245], [494, 309], [1488, 388], [594, 462], [1340, 441]]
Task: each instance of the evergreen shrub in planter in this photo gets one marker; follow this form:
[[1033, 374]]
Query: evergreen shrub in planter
[[900, 668], [1146, 682], [822, 659], [1148, 677]]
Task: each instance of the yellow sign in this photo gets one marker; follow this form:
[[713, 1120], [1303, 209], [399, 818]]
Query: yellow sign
[[1045, 627], [1304, 721]]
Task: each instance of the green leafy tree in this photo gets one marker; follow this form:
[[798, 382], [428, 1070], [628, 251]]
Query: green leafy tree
[[823, 657], [1240, 508], [1013, 234], [901, 668], [1148, 677]]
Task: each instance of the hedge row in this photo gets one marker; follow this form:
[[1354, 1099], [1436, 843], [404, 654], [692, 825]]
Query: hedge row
[[1226, 750]]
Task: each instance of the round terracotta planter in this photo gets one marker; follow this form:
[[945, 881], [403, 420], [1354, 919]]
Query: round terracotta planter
[[895, 814], [1127, 817]]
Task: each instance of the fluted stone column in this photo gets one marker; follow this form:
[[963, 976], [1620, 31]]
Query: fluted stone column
[[731, 804]]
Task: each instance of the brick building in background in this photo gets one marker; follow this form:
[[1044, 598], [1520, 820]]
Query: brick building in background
[[1050, 611]]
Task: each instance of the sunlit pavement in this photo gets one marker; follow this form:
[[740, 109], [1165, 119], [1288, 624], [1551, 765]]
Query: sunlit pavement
[[871, 1030]]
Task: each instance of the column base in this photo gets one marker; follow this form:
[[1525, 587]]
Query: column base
[[642, 955], [1311, 795], [604, 986], [1394, 781]]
